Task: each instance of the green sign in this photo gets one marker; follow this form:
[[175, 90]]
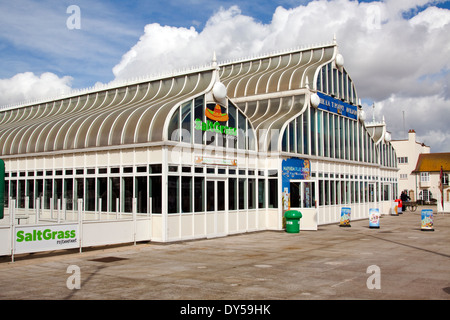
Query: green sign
[[214, 127], [2, 188]]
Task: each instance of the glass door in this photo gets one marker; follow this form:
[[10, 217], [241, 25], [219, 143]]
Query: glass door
[[215, 195], [303, 196], [216, 206]]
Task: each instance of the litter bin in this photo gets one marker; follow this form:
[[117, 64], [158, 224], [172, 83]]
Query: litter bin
[[400, 203], [293, 221]]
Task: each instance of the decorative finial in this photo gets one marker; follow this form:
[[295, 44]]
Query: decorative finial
[[214, 61]]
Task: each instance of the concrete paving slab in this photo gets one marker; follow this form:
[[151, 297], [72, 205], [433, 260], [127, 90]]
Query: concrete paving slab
[[331, 263]]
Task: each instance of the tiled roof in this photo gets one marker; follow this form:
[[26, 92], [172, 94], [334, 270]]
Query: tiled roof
[[432, 162]]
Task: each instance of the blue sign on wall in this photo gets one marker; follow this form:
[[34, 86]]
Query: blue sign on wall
[[293, 169], [336, 106]]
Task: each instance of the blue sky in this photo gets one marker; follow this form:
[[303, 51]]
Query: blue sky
[[34, 36], [399, 60]]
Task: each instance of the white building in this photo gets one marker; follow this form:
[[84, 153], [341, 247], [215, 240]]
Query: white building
[[215, 151], [408, 152]]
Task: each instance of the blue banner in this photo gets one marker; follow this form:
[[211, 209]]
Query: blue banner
[[336, 106], [293, 169]]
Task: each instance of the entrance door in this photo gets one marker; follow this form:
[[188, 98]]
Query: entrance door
[[216, 207], [303, 195]]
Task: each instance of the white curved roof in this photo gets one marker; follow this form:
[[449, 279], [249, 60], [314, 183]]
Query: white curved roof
[[126, 115], [270, 90]]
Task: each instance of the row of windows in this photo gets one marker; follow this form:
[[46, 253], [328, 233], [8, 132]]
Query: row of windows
[[182, 127], [325, 134], [211, 195], [239, 190], [343, 192], [113, 192], [89, 171], [337, 84], [402, 160], [99, 194]]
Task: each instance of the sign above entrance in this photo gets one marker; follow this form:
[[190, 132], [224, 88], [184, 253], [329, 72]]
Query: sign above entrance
[[337, 106], [296, 169]]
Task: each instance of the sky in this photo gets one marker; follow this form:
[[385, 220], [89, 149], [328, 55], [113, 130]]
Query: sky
[[397, 52]]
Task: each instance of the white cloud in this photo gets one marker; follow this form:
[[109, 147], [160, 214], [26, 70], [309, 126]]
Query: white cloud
[[400, 64], [28, 86], [427, 115]]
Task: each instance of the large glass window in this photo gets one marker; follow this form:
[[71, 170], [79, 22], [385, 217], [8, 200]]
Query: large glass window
[[251, 194], [186, 122], [261, 193], [30, 194], [68, 193], [189, 124], [186, 194], [199, 191], [242, 193], [305, 127], [174, 125], [210, 196], [232, 194], [312, 120], [273, 193], [102, 193], [326, 135], [155, 192], [300, 134], [141, 195], [90, 194], [199, 114], [48, 192], [320, 132], [114, 196], [127, 192], [173, 194], [336, 137]]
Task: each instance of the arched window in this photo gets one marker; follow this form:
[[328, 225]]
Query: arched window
[[211, 124]]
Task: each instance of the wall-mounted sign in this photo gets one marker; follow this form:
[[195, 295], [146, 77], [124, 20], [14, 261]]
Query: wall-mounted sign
[[295, 168], [45, 238], [216, 161], [336, 106], [216, 121]]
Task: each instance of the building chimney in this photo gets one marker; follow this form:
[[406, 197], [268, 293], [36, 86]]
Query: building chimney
[[412, 135]]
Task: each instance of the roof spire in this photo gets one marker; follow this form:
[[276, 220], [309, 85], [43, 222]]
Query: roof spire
[[214, 60]]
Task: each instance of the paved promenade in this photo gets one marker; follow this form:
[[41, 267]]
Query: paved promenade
[[398, 261]]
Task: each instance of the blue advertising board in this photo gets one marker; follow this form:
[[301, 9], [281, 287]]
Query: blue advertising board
[[336, 106], [345, 217], [427, 220], [293, 169]]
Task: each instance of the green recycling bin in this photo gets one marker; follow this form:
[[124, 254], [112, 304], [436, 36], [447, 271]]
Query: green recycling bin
[[293, 221]]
